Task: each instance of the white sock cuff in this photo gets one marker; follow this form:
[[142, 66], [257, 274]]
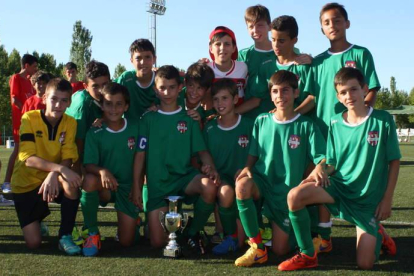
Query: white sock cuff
[[325, 224]]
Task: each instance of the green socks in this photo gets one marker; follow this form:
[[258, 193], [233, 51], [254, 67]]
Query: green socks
[[202, 211], [248, 216], [228, 217], [301, 225], [90, 204]]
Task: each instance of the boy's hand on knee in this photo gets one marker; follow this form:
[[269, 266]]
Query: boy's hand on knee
[[50, 187], [384, 209], [108, 180], [136, 197], [71, 177], [320, 176], [211, 173], [244, 173]]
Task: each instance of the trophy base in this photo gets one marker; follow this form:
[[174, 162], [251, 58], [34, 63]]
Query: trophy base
[[172, 253]]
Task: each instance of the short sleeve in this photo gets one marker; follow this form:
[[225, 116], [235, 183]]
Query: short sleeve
[[317, 144], [330, 148], [78, 111], [393, 149], [371, 77], [14, 86], [254, 144], [27, 146], [143, 133]]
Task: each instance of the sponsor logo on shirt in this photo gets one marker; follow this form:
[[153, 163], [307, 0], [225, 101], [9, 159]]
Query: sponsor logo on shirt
[[373, 138], [39, 134], [294, 141], [142, 142], [350, 63], [267, 61], [182, 126], [62, 137], [243, 141], [286, 222], [131, 142], [334, 121], [373, 222]]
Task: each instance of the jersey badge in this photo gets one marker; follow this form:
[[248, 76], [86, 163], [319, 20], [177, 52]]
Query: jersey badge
[[350, 63], [243, 141], [39, 134], [373, 138], [131, 143], [62, 137], [294, 141], [182, 126]]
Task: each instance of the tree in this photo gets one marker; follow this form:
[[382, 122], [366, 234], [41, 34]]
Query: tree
[[81, 52], [393, 85], [119, 69], [13, 63], [5, 108]]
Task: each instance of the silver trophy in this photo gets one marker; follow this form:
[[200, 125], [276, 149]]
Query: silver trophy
[[172, 222]]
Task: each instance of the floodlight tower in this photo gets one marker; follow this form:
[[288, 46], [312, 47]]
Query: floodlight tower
[[156, 7]]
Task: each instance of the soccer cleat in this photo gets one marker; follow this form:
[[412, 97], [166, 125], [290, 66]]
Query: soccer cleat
[[6, 188], [299, 261], [77, 236], [44, 230], [388, 245], [229, 244], [66, 245], [5, 202], [322, 246], [253, 255], [92, 245], [196, 245]]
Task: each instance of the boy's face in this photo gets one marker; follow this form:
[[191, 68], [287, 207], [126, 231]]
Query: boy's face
[[31, 69], [94, 86], [258, 31], [351, 94], [224, 102], [282, 44], [113, 107], [143, 62], [334, 25], [71, 74], [283, 96], [195, 92], [56, 103], [40, 87], [167, 90], [222, 49]]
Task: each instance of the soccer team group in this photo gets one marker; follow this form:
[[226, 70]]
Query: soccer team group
[[265, 130]]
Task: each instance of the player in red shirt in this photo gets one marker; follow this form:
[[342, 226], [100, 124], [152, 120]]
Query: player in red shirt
[[71, 73], [39, 82]]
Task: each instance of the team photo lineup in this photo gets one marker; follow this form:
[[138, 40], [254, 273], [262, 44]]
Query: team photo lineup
[[271, 142]]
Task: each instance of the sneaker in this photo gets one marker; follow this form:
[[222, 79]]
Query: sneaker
[[388, 245], [66, 245], [299, 261], [6, 188], [44, 230], [217, 238], [321, 245], [229, 244], [92, 245], [77, 236], [253, 255], [5, 202], [196, 245]]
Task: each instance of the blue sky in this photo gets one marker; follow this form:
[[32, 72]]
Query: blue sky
[[386, 28]]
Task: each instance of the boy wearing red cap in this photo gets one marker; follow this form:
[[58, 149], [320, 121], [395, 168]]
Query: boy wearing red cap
[[223, 52]]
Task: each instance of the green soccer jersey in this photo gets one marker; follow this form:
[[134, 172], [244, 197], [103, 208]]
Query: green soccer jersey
[[360, 154], [229, 146], [324, 68], [85, 110], [141, 98], [113, 150], [283, 150], [169, 140]]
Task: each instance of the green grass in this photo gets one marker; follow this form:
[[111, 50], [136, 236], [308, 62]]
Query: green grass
[[141, 259]]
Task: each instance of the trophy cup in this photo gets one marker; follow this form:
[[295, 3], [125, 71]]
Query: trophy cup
[[172, 222]]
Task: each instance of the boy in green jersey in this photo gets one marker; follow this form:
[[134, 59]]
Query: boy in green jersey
[[108, 161], [276, 165], [85, 107], [363, 163], [140, 81], [229, 156], [168, 138]]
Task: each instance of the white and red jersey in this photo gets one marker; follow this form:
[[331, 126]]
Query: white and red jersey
[[238, 73]]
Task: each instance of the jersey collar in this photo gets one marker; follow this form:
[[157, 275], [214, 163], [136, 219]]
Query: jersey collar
[[118, 131], [152, 81], [170, 113], [232, 127], [360, 123], [339, 53], [285, 122]]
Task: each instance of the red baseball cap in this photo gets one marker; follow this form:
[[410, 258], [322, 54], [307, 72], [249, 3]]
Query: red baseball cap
[[222, 29]]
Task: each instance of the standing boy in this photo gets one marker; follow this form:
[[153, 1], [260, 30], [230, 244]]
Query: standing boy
[[42, 172], [71, 73], [168, 138], [363, 161], [274, 166]]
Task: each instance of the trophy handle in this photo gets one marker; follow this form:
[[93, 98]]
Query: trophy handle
[[161, 217], [184, 220]]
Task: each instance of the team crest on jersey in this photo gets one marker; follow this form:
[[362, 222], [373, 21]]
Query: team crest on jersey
[[294, 141], [373, 138], [243, 141], [182, 126], [131, 143], [350, 63], [62, 137], [39, 134]]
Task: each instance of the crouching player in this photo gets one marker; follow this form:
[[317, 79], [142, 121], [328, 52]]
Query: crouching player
[[227, 138], [42, 172], [363, 161], [281, 147], [168, 138], [108, 161]]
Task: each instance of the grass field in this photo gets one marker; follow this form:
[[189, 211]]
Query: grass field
[[15, 259]]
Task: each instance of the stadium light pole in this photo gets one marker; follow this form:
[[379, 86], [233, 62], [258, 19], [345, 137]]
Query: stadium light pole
[[155, 7]]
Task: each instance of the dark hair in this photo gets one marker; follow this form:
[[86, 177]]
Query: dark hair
[[334, 6], [283, 76], [95, 69], [114, 88], [224, 84], [201, 73], [256, 13], [141, 45], [59, 84], [168, 72], [28, 59], [348, 73], [286, 23], [70, 65], [40, 76]]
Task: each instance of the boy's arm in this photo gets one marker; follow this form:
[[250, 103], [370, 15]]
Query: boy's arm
[[138, 179], [371, 97], [248, 105], [108, 181], [384, 207], [307, 105], [14, 91], [246, 172], [208, 167]]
